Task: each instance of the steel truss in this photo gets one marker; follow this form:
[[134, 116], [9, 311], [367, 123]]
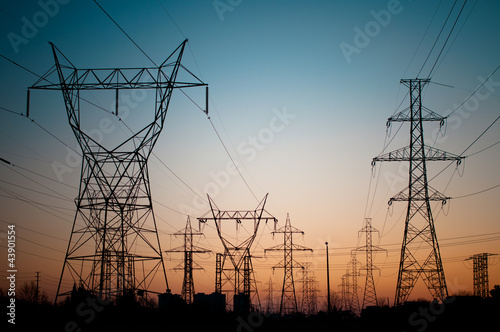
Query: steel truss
[[420, 255], [114, 250], [239, 275], [288, 303], [188, 264]]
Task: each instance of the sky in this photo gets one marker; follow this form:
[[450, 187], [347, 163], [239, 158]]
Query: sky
[[300, 92]]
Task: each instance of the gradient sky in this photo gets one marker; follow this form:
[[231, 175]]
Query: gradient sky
[[301, 118]]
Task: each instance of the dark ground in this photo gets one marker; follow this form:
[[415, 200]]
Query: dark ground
[[464, 313]]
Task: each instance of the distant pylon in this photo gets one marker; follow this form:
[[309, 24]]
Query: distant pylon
[[238, 276], [270, 296], [288, 303], [480, 274], [420, 255], [188, 265], [309, 291], [354, 274], [345, 300], [369, 294]]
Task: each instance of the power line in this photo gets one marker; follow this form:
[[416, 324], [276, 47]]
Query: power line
[[447, 38], [437, 38], [477, 192], [119, 27], [473, 93]]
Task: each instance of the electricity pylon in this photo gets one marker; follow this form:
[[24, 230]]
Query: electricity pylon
[[237, 252], [309, 290], [288, 304], [188, 265], [270, 296], [354, 274], [420, 255], [369, 294], [345, 300], [114, 250], [480, 274]]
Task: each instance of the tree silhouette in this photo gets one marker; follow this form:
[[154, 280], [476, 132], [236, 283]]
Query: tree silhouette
[[495, 292], [28, 293]]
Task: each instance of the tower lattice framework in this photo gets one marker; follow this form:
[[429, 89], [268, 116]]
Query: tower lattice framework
[[188, 265], [237, 278], [369, 293], [354, 274], [480, 277], [420, 255], [345, 291], [288, 304], [114, 249]]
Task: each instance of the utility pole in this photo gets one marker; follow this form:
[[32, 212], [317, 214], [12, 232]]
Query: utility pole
[[329, 304], [188, 265], [420, 255], [288, 303], [114, 229], [369, 294], [480, 274]]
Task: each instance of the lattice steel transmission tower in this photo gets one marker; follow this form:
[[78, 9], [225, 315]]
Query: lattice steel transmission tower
[[369, 294], [354, 274], [345, 299], [188, 265], [288, 304], [480, 274], [420, 255], [238, 276], [114, 250], [309, 301], [270, 296]]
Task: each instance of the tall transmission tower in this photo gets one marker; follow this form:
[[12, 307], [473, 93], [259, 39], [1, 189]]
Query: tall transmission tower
[[188, 265], [309, 291], [354, 274], [480, 274], [270, 296], [114, 250], [288, 304], [369, 294], [420, 255], [238, 276], [345, 299]]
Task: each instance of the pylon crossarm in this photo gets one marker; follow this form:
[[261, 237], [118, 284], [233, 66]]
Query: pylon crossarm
[[405, 116], [115, 78], [430, 154]]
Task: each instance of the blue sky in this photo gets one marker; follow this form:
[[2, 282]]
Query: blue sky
[[301, 118]]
